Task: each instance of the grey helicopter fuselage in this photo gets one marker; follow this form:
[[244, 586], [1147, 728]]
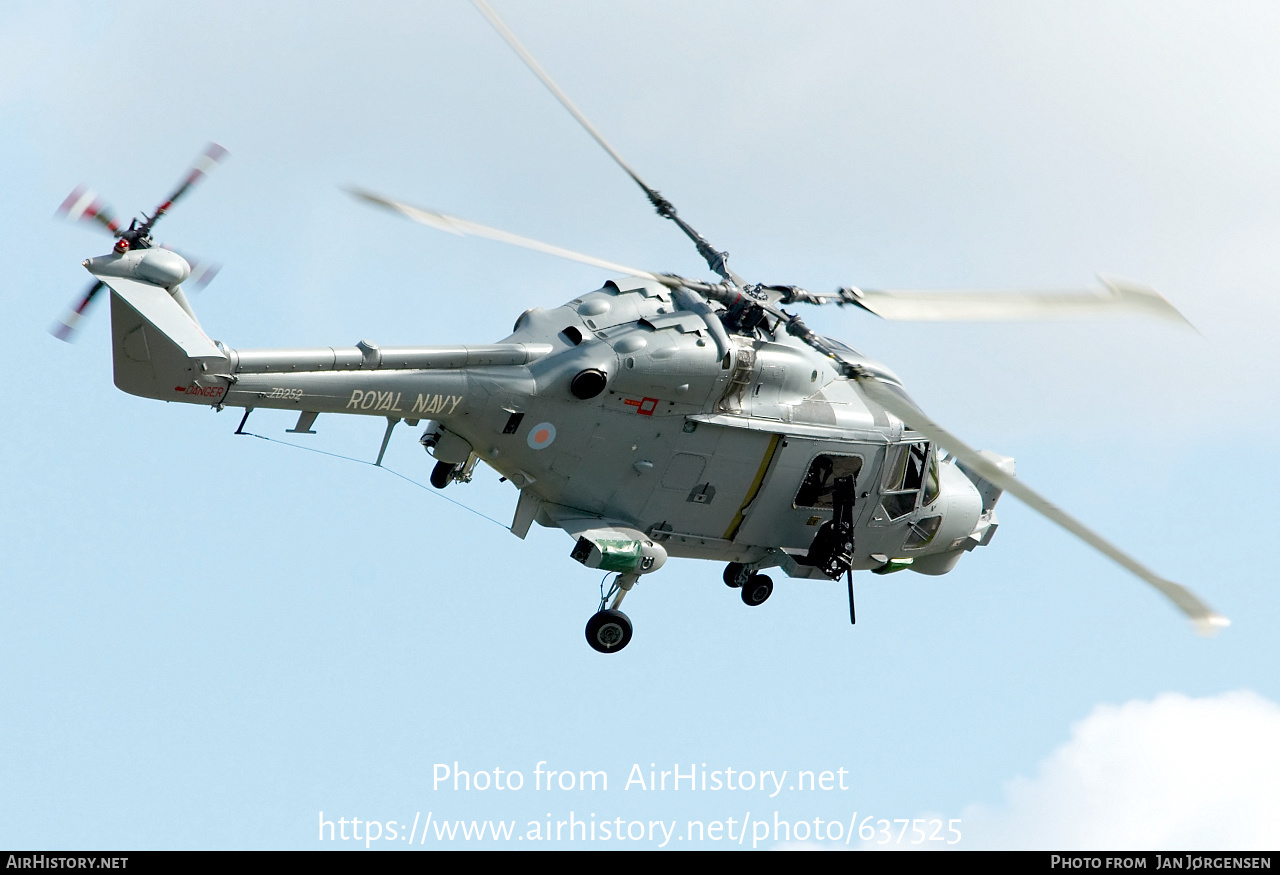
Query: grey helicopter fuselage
[[630, 407], [709, 452], [656, 416]]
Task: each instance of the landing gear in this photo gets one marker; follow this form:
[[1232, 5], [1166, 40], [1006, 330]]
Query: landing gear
[[445, 473], [735, 574], [442, 474], [757, 589], [608, 631]]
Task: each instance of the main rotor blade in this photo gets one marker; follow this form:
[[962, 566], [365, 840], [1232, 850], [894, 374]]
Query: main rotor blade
[[65, 329], [715, 259], [518, 47], [1207, 622], [1117, 298], [465, 228]]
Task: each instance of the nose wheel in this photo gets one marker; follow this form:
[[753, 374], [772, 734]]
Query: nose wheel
[[608, 631]]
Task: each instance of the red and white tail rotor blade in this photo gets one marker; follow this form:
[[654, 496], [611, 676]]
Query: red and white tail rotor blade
[[202, 270], [202, 273], [83, 205], [208, 160], [66, 329]]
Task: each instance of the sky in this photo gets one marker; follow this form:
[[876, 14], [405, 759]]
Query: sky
[[212, 641]]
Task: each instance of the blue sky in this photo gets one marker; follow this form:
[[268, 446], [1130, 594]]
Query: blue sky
[[208, 640]]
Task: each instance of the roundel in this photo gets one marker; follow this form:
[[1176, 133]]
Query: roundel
[[541, 436]]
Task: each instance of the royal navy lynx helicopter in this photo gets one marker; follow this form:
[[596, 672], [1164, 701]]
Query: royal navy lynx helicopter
[[657, 416]]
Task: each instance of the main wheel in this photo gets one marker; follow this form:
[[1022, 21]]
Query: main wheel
[[735, 574], [608, 631], [442, 474], [757, 589]]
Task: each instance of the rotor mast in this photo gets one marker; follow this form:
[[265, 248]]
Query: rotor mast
[[716, 259]]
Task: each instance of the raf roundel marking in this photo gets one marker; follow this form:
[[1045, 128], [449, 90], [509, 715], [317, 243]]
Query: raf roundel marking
[[541, 436]]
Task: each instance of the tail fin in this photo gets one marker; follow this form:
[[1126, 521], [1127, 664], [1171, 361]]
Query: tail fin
[[158, 349]]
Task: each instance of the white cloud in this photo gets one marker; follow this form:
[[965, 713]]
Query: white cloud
[[1173, 773]]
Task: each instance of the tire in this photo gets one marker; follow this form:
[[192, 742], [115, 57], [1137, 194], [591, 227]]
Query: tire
[[735, 574], [608, 631], [757, 589], [442, 474]]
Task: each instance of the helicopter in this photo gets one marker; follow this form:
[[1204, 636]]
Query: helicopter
[[657, 416]]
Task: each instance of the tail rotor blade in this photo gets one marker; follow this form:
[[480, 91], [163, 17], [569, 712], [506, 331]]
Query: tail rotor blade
[[66, 329], [208, 160], [202, 270], [83, 205], [202, 273]]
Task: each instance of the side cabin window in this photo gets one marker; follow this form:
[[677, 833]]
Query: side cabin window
[[909, 469], [820, 479]]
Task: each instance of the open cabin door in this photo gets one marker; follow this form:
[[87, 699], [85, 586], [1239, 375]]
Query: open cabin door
[[796, 498]]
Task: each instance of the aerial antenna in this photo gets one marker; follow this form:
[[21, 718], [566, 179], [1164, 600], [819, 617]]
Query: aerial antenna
[[716, 259]]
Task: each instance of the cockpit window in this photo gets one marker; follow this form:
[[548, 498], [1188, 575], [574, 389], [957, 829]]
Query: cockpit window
[[922, 532], [821, 477], [907, 469], [931, 487]]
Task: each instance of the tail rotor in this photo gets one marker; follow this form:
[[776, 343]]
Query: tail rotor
[[66, 329], [84, 205]]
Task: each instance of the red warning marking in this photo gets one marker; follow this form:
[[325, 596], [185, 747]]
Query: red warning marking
[[202, 391], [644, 406]]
